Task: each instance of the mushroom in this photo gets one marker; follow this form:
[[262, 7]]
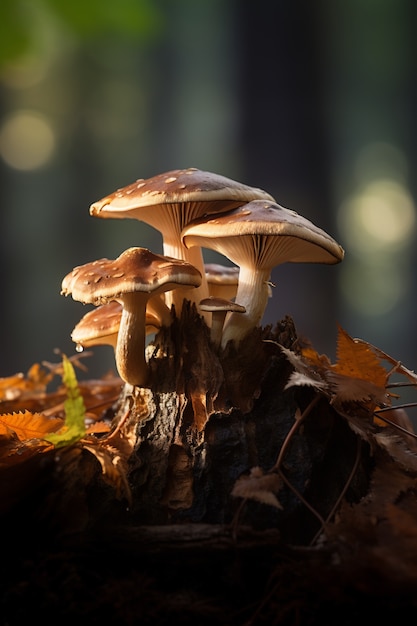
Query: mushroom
[[131, 279], [170, 201], [222, 280], [258, 236], [219, 307], [100, 326]]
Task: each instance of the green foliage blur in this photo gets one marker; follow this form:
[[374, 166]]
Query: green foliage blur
[[21, 21]]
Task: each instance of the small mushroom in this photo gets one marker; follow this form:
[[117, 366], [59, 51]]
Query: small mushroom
[[131, 279], [219, 307], [169, 202], [258, 236], [100, 326]]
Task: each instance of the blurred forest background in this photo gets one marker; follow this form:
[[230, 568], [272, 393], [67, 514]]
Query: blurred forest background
[[314, 101]]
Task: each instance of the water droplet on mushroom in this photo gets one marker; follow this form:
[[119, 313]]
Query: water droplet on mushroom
[[79, 348]]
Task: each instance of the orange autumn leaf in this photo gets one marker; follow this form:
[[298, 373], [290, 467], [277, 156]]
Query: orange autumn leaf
[[98, 427], [38, 378], [358, 360], [17, 385], [27, 425], [357, 376], [12, 387], [320, 360]]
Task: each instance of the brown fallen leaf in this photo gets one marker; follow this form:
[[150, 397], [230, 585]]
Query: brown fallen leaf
[[259, 486]]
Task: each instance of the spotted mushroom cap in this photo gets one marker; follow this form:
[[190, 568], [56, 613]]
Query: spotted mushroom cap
[[196, 191], [135, 270], [264, 232], [101, 325]]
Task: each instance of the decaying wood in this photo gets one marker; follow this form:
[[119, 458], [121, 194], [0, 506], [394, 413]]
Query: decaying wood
[[181, 546], [211, 417]]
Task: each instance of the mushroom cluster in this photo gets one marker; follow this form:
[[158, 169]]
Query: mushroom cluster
[[139, 292]]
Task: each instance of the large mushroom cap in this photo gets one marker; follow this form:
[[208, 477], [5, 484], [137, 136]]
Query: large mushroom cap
[[291, 236], [136, 269], [189, 185]]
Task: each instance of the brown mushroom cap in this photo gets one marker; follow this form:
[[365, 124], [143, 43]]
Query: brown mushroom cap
[[169, 202], [213, 304], [295, 238], [195, 191], [98, 327], [101, 326], [131, 279], [135, 270], [258, 236]]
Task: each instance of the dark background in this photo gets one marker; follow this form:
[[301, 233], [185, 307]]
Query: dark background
[[313, 101]]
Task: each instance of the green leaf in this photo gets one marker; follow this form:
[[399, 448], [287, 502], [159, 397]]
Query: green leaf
[[74, 427]]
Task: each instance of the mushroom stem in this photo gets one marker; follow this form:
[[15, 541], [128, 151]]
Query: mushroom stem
[[157, 307], [253, 294], [177, 250], [130, 348], [216, 330]]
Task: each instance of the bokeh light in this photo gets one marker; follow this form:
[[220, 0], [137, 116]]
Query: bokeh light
[[27, 140], [378, 224], [380, 215]]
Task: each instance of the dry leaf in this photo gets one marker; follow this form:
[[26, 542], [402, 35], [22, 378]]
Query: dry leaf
[[357, 360], [351, 389], [16, 386], [298, 379], [27, 425], [113, 465], [258, 486]]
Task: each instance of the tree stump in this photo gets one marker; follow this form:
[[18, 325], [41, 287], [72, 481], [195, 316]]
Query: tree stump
[[210, 418]]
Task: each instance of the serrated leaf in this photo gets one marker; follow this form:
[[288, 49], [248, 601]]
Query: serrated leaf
[[351, 389], [27, 425], [74, 427], [357, 360], [299, 379]]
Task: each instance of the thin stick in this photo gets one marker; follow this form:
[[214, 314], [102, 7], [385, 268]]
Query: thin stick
[[397, 426], [291, 432]]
